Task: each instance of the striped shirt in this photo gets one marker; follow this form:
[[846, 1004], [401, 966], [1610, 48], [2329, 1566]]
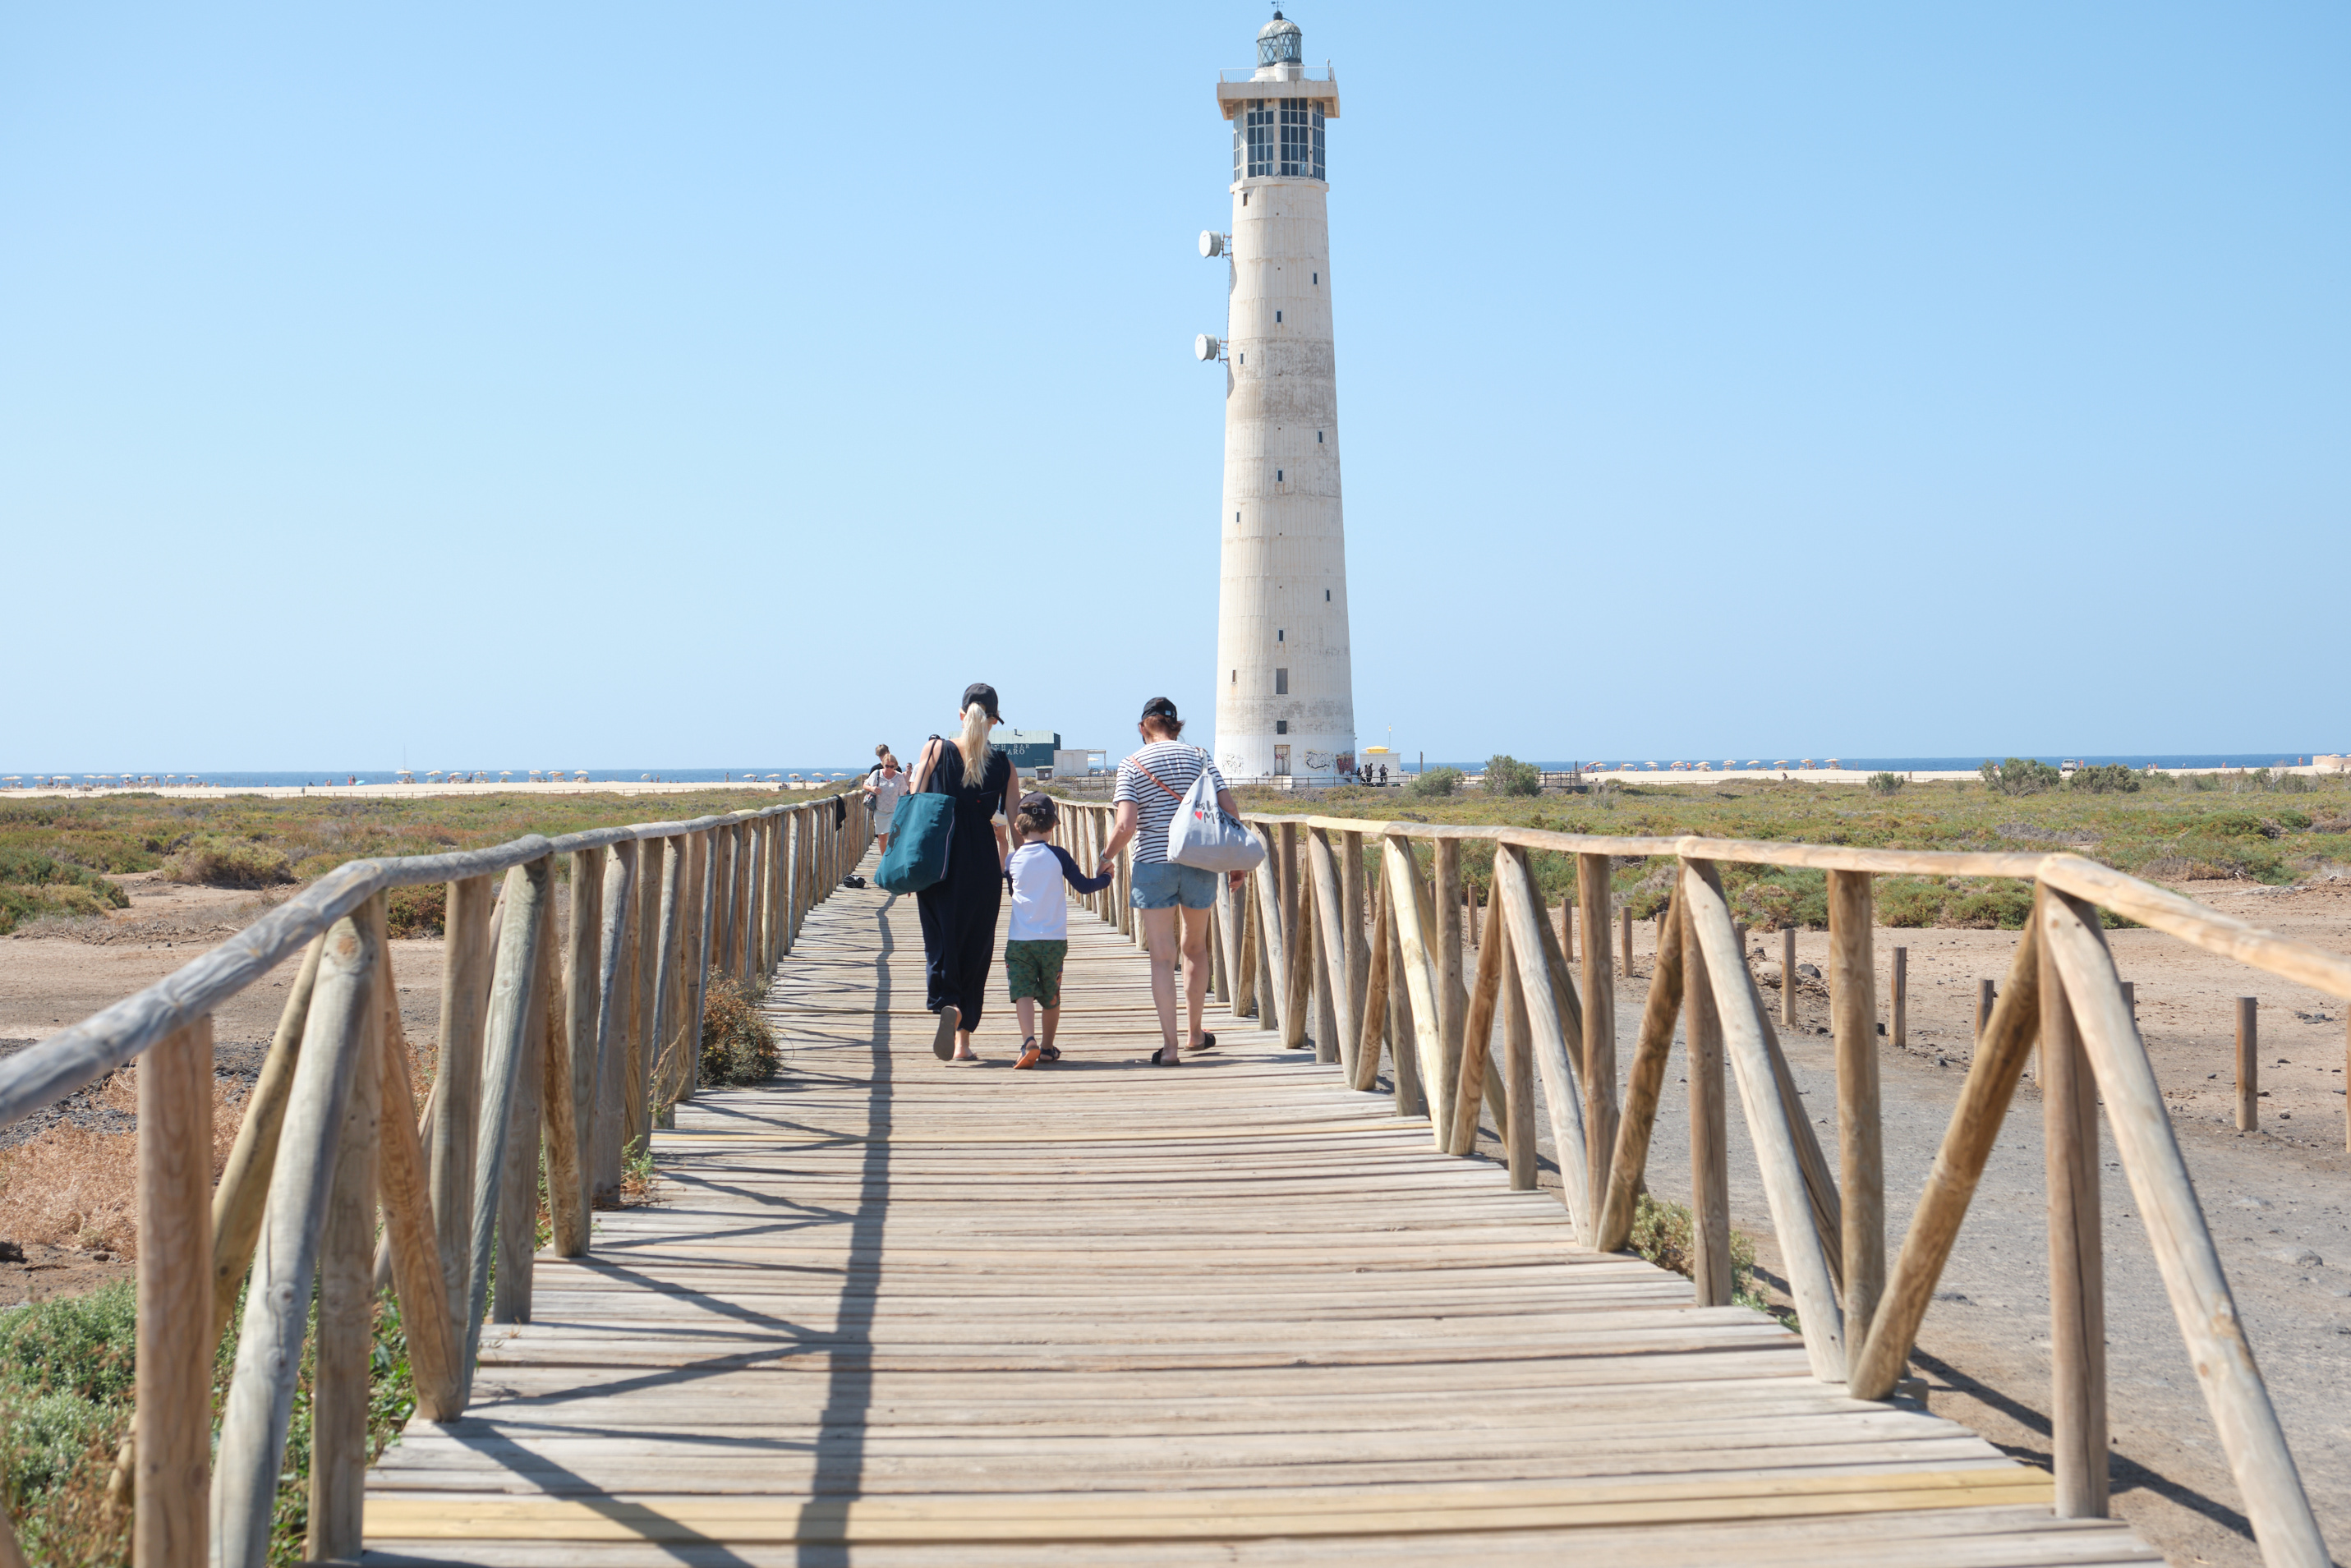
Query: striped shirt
[[1173, 764]]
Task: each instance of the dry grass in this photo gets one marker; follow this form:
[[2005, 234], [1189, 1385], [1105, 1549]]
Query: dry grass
[[75, 1187]]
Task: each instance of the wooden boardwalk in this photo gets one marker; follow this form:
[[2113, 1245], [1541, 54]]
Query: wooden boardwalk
[[894, 1312]]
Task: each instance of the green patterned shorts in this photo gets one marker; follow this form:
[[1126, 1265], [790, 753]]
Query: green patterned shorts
[[1035, 970]]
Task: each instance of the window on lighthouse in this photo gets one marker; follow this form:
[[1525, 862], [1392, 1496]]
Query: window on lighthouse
[[1281, 683]]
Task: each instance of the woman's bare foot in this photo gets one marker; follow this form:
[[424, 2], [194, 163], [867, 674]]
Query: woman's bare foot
[[963, 1052]]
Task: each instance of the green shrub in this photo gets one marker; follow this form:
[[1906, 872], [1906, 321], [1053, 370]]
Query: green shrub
[[2107, 778], [213, 861], [2019, 776], [737, 1046], [1434, 783], [1663, 1234], [419, 910], [1505, 775], [1885, 783]]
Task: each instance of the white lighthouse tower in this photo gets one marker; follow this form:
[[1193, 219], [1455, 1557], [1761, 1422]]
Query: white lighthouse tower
[[1285, 687]]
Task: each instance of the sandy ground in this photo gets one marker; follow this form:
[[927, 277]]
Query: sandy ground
[[2275, 1199]]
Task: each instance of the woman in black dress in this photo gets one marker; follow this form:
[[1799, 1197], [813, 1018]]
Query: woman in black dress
[[958, 911]]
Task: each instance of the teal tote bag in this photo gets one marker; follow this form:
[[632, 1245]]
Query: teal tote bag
[[920, 834]]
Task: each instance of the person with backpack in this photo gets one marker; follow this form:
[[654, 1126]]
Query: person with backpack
[[1173, 898]]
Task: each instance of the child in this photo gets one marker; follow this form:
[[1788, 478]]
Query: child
[[1039, 938]]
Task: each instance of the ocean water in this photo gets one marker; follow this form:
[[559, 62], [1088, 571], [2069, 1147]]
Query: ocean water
[[1924, 763], [520, 776]]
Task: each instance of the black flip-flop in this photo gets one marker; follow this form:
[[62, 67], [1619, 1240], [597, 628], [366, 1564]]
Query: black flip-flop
[[1207, 1042], [1154, 1059], [1049, 1053], [943, 1044]]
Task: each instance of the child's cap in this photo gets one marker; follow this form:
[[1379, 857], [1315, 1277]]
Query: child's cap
[[1039, 806]]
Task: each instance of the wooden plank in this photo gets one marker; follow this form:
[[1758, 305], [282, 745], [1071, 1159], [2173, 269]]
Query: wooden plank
[[465, 949], [888, 1310], [1709, 1136]]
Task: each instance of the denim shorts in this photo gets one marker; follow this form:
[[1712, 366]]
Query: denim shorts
[[1166, 884]]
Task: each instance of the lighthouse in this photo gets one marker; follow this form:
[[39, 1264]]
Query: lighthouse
[[1285, 690]]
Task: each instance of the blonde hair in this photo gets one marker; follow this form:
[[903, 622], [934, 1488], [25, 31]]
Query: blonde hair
[[973, 743]]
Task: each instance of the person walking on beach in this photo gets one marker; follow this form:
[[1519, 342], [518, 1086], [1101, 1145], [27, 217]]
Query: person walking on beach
[[958, 911], [883, 787], [1151, 784], [1038, 941]]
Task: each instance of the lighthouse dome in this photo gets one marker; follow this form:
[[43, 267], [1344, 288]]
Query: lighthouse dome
[[1280, 43]]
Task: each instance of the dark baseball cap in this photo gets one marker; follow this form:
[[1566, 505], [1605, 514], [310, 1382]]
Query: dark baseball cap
[[1039, 805], [1159, 707], [983, 693]]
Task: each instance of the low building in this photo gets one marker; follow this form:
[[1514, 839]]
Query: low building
[[1028, 748]]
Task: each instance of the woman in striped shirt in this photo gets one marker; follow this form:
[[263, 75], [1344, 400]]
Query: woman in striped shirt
[[1151, 784]]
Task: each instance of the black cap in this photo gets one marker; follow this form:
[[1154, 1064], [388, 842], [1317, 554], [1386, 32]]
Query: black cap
[[1039, 805], [1159, 707], [983, 693]]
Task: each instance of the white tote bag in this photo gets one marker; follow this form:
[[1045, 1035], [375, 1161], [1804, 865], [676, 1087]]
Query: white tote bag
[[1205, 835]]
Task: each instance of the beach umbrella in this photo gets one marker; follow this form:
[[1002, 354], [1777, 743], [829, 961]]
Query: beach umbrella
[[645, 778]]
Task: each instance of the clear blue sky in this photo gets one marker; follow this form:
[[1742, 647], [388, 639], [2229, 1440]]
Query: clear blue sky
[[642, 386]]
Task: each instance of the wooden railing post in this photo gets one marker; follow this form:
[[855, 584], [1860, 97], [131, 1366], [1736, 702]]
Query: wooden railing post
[[1403, 1031], [1986, 998], [1477, 1041], [345, 1336], [2200, 1300], [1452, 996], [1898, 1006], [1644, 1082], [411, 1233], [530, 890], [2077, 1291], [1770, 1123], [601, 1130], [1353, 914], [570, 1130], [1548, 1019], [1298, 948], [2248, 1065], [542, 1097], [1708, 1126], [465, 949], [244, 1182], [1852, 1003], [662, 1085], [173, 1417], [699, 913], [1627, 914], [1788, 971], [277, 1304], [1412, 918], [1335, 1030], [1958, 1164], [1273, 969]]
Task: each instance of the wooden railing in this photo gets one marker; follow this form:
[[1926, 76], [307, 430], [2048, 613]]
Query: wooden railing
[[1377, 957], [574, 1056]]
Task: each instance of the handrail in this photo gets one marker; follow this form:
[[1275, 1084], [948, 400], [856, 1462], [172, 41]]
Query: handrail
[[1294, 943], [530, 1054], [108, 1038]]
